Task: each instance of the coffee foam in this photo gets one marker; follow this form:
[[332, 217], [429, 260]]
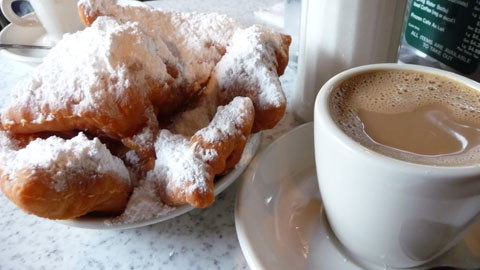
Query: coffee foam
[[393, 91]]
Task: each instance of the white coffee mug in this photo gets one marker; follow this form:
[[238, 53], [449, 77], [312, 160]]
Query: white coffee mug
[[390, 212], [341, 34], [56, 16]]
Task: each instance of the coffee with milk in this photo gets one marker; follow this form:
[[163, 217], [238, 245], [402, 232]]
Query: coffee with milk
[[409, 115]]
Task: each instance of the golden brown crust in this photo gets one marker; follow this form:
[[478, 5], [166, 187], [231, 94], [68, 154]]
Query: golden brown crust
[[32, 192], [230, 147], [281, 54], [197, 198], [125, 120], [84, 17]]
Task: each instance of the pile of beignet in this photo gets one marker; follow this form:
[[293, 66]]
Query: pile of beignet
[[141, 100]]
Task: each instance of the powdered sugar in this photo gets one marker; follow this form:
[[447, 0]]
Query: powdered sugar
[[179, 165], [95, 78], [144, 204], [145, 138], [90, 70], [60, 157], [250, 61], [227, 120], [93, 7], [196, 40], [198, 117], [182, 164], [8, 148], [132, 157], [191, 121]]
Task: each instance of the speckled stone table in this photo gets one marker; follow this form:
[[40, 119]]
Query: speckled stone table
[[200, 239]]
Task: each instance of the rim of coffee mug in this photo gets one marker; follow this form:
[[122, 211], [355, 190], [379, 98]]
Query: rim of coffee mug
[[322, 110]]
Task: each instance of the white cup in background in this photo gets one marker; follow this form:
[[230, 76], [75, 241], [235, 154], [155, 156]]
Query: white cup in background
[[56, 16], [341, 34], [390, 212]]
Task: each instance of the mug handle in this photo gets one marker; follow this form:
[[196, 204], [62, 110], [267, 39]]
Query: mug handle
[[6, 6]]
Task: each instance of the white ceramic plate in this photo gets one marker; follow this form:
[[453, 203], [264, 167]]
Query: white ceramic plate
[[36, 35], [220, 185], [279, 213]]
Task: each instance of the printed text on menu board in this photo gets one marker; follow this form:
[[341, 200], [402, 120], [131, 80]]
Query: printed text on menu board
[[447, 30]]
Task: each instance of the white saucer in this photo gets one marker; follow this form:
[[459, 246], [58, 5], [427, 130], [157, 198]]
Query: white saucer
[[279, 213], [220, 185], [34, 35], [16, 34]]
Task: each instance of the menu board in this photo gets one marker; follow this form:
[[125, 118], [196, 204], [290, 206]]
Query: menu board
[[446, 30]]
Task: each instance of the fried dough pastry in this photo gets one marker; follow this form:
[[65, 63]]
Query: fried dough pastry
[[253, 70], [97, 86], [193, 43], [248, 71], [142, 108], [59, 179], [248, 61], [198, 115], [185, 168]]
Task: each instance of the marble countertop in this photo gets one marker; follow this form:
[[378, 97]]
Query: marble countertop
[[200, 239]]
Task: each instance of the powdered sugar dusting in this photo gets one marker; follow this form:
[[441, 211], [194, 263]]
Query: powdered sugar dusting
[[194, 119], [196, 40], [144, 204], [251, 57], [8, 148], [132, 157], [145, 138], [92, 7], [227, 120], [89, 71], [96, 78], [61, 158], [191, 121], [178, 164]]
